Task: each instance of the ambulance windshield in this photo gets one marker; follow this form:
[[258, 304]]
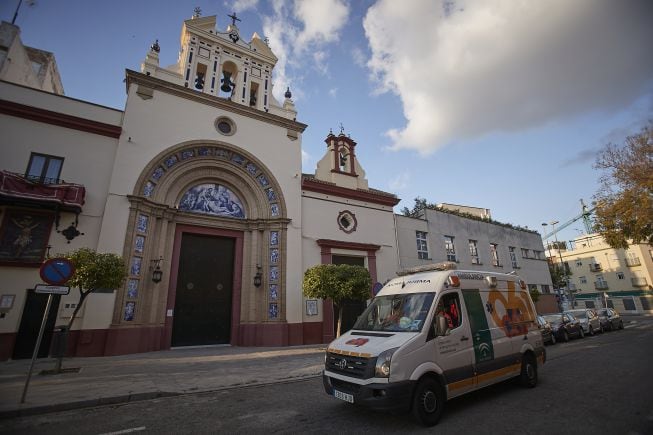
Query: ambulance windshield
[[404, 313]]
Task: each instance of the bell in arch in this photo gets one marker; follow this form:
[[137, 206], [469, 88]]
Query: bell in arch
[[227, 84]]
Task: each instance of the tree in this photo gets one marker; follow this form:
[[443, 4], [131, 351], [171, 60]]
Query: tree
[[416, 211], [93, 271], [535, 294], [624, 201], [559, 275], [337, 282]]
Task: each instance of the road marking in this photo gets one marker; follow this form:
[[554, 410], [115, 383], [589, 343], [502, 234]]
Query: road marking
[[133, 429]]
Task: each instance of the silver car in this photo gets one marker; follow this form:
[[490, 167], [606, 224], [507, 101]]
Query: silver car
[[589, 320]]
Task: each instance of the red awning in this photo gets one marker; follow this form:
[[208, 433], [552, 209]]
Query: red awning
[[15, 188]]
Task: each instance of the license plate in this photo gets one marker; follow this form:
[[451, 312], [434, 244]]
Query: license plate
[[343, 396]]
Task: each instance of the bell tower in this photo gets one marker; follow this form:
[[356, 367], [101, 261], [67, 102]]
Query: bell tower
[[222, 64], [340, 165]]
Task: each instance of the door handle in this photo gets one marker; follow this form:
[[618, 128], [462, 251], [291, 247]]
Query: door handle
[[464, 338]]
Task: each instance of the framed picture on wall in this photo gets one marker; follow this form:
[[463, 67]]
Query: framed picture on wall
[[24, 237], [311, 307]]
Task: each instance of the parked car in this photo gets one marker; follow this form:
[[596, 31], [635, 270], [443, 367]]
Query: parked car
[[610, 319], [547, 331], [589, 320], [565, 326]]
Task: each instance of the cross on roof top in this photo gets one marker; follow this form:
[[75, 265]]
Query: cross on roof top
[[234, 18]]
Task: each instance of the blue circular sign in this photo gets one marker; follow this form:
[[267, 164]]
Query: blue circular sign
[[377, 288], [57, 271]]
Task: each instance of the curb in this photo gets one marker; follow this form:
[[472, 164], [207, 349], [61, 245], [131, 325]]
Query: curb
[[136, 397]]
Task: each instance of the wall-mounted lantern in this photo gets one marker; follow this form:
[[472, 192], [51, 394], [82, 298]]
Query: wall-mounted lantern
[[258, 277], [155, 267]]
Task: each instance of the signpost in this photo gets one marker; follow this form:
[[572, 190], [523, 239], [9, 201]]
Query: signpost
[[55, 271]]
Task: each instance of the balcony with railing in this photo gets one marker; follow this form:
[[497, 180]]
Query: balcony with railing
[[638, 281], [601, 285], [633, 261], [19, 189], [595, 267]]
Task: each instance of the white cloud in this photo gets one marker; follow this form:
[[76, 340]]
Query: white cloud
[[320, 60], [333, 92], [358, 56], [243, 5], [400, 182], [294, 28], [468, 69], [306, 158], [321, 19]]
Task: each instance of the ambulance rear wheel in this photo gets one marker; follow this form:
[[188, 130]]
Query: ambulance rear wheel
[[528, 376], [428, 401]]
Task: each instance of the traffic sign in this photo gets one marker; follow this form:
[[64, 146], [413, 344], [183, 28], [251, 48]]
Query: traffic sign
[[57, 271], [52, 289]]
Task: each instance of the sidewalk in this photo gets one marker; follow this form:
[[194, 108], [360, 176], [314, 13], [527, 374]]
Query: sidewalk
[[117, 379]]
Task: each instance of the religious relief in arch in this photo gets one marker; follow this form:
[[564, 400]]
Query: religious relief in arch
[[212, 199]]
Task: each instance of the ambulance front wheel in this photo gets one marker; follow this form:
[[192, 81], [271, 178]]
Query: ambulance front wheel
[[528, 376], [428, 401]]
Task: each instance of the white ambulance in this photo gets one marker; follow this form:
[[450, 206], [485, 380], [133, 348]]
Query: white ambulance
[[436, 333]]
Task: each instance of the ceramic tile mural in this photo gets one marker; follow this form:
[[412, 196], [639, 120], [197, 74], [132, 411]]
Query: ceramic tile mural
[[187, 154], [274, 238], [263, 180], [274, 210], [132, 288], [158, 173], [130, 310], [148, 189], [274, 294], [171, 161], [139, 244], [141, 224], [274, 273], [213, 199], [252, 169], [274, 256], [204, 152], [271, 195], [223, 153], [136, 266], [237, 159], [274, 311]]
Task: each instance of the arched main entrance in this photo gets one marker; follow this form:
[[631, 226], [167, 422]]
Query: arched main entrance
[[217, 217]]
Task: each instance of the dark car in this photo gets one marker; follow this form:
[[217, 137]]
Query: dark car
[[610, 319], [589, 320], [565, 326], [547, 331]]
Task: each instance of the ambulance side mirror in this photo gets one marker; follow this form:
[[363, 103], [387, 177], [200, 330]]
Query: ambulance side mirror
[[441, 326]]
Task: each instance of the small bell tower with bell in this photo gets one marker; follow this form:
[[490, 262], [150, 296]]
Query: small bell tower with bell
[[340, 165], [220, 63]]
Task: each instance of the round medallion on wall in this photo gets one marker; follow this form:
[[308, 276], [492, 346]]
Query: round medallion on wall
[[347, 221], [225, 126]]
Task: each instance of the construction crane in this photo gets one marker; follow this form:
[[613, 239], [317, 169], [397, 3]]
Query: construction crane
[[585, 216]]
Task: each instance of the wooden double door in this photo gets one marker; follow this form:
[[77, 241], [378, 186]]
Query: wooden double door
[[204, 291]]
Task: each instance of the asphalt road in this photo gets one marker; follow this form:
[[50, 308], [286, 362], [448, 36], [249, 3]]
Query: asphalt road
[[595, 385]]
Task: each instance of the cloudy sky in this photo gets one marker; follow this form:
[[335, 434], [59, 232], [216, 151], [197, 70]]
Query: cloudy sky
[[500, 104]]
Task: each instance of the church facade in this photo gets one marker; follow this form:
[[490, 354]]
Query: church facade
[[197, 184], [198, 179]]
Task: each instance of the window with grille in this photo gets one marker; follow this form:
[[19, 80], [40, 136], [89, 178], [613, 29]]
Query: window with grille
[[513, 257], [422, 246], [450, 248], [494, 252], [43, 168], [473, 251]]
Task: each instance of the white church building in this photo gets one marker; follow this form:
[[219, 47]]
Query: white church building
[[198, 178]]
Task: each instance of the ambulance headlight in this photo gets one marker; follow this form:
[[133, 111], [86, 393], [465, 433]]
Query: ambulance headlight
[[382, 369]]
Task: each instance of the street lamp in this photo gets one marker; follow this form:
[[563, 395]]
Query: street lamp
[[564, 271]]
